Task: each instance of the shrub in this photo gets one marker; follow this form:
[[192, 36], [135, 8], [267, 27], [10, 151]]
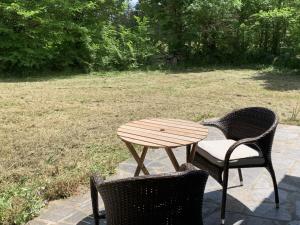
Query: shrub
[[125, 48]]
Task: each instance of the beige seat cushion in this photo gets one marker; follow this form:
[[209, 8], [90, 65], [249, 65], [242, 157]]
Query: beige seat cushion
[[215, 152]]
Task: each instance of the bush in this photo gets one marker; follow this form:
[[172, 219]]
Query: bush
[[125, 48], [58, 34]]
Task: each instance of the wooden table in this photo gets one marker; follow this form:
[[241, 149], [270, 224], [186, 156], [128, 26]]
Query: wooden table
[[161, 133]]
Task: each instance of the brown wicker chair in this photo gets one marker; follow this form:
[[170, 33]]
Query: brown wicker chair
[[249, 133], [169, 199]]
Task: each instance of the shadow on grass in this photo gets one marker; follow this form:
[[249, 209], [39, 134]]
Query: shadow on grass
[[279, 80], [39, 77], [238, 213], [209, 68], [52, 75]]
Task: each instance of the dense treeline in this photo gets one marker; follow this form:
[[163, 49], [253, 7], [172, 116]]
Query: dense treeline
[[243, 31], [109, 34]]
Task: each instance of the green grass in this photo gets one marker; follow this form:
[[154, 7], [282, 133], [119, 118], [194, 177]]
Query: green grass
[[19, 203], [55, 131]]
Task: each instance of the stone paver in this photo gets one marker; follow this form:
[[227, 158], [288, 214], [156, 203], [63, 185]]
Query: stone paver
[[251, 204]]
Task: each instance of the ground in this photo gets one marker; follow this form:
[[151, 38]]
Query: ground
[[55, 130]]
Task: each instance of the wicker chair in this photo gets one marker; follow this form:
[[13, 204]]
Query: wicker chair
[[169, 199], [249, 133]]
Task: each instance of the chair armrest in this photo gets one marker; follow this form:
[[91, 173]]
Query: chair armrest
[[211, 123], [237, 144], [217, 124], [97, 179]]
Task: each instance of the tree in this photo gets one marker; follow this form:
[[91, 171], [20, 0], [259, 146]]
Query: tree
[[168, 23]]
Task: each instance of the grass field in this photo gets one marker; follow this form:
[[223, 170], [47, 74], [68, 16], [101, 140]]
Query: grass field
[[55, 131]]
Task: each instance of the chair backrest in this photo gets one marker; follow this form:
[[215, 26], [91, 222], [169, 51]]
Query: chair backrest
[[252, 122], [174, 199]]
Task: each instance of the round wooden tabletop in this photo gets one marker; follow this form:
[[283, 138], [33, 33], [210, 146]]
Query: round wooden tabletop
[[162, 133]]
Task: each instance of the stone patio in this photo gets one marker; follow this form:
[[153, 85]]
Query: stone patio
[[251, 204]]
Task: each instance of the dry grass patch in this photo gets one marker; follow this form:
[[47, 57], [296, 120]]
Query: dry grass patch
[[54, 132]]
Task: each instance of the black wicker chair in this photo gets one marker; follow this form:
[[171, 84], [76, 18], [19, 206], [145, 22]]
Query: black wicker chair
[[168, 199], [249, 133]]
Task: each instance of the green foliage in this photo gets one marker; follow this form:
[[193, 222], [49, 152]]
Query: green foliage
[[270, 33], [168, 23], [53, 34], [125, 48], [19, 204], [108, 34], [230, 31], [214, 22]]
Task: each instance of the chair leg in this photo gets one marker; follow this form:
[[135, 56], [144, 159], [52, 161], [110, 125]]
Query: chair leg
[[188, 152], [224, 196], [94, 196], [272, 173], [241, 176]]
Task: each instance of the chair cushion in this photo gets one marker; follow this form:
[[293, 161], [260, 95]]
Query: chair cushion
[[215, 152]]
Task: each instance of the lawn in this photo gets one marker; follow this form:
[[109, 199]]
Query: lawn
[[55, 131]]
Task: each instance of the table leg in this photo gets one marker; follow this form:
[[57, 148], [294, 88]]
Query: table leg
[[192, 154], [172, 158], [139, 160], [188, 152], [142, 158]]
